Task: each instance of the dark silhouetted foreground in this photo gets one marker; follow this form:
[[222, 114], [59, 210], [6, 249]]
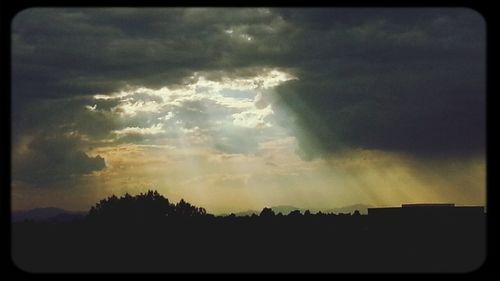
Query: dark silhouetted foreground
[[147, 233]]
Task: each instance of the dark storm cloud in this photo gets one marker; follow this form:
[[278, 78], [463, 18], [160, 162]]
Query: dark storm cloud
[[35, 116], [410, 81], [47, 160], [407, 80], [65, 52]]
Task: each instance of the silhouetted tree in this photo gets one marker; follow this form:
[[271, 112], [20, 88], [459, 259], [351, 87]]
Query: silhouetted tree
[[267, 212], [295, 213], [143, 207], [185, 209]]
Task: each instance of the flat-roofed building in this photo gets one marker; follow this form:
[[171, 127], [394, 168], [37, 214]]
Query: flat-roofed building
[[427, 209]]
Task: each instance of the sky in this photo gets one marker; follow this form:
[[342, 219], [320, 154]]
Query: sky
[[235, 109]]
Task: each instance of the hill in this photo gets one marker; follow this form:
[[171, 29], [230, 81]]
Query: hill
[[47, 214]]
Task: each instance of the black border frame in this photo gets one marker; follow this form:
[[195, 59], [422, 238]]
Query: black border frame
[[9, 10]]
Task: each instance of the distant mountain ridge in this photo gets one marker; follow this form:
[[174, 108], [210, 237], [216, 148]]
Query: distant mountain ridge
[[47, 214]]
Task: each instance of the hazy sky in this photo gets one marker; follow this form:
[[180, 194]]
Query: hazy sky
[[235, 109]]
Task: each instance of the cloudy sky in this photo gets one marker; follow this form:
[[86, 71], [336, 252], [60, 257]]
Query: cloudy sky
[[235, 109]]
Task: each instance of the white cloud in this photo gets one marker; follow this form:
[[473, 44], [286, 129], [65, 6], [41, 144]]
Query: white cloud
[[167, 117], [254, 118], [212, 106], [129, 108], [153, 130], [91, 108]]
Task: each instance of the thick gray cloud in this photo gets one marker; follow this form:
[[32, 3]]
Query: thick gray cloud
[[65, 52], [410, 81], [406, 80], [46, 160]]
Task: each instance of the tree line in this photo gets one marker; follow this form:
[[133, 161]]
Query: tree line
[[154, 206]]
